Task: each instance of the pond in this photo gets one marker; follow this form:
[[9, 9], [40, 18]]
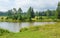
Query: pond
[[15, 27]]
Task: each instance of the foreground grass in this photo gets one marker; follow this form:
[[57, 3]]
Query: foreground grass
[[47, 31], [3, 32]]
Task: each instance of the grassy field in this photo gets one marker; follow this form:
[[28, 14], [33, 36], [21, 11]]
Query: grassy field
[[47, 31]]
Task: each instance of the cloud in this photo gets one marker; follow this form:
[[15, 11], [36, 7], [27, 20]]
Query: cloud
[[6, 5], [38, 5]]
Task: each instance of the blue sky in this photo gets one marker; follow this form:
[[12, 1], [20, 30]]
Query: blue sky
[[38, 5]]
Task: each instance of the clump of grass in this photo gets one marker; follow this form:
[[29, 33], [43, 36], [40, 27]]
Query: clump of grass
[[31, 28], [2, 32], [24, 29]]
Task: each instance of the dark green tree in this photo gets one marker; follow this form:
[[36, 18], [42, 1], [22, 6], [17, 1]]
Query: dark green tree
[[30, 13], [58, 10], [14, 10], [37, 15], [40, 14], [19, 14], [14, 14], [9, 13], [47, 13], [20, 10], [56, 14]]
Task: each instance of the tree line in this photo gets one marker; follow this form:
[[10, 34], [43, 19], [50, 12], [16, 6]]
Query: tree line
[[20, 15]]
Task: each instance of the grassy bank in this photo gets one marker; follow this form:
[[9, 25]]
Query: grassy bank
[[3, 32], [47, 31], [44, 19]]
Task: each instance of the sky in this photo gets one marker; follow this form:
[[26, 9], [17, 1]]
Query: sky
[[37, 5]]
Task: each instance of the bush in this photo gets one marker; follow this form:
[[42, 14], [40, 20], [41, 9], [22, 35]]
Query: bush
[[2, 18]]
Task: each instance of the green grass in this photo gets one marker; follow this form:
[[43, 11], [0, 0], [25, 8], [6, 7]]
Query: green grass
[[3, 32], [36, 19], [47, 31]]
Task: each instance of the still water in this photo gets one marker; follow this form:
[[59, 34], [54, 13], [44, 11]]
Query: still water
[[15, 27]]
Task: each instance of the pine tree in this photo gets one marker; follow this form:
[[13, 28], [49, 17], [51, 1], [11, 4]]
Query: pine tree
[[30, 13]]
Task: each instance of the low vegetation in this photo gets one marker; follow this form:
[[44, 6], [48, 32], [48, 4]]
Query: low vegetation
[[46, 31], [3, 32]]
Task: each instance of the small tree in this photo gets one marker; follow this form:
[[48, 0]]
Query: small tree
[[30, 13], [19, 14]]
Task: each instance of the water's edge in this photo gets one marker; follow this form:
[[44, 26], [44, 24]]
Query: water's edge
[[15, 27]]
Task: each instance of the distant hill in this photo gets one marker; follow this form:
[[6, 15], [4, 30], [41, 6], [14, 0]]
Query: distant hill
[[3, 13]]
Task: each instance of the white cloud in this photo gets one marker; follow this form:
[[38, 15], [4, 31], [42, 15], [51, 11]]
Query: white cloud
[[36, 4], [25, 4]]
